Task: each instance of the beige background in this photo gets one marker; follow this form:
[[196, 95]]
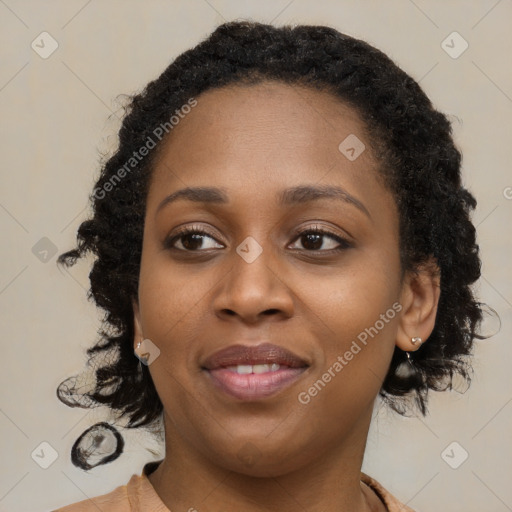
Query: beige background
[[54, 122]]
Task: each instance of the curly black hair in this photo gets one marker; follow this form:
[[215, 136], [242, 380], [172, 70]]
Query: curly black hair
[[419, 163]]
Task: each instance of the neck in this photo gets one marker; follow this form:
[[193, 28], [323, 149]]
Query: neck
[[185, 480]]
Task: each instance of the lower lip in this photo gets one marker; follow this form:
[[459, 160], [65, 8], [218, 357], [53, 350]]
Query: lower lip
[[253, 386]]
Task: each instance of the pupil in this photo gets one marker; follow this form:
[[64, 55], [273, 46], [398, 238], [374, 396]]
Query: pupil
[[195, 237], [317, 240]]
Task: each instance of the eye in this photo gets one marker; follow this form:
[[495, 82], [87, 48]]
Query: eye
[[191, 239], [313, 239]]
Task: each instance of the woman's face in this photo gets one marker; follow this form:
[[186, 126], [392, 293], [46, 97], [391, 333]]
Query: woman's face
[[252, 279]]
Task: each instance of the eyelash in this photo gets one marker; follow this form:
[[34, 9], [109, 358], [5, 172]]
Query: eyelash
[[188, 230]]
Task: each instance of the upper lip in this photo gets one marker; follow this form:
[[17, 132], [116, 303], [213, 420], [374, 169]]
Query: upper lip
[[265, 353]]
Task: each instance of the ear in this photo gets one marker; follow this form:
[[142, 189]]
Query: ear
[[138, 335], [419, 298]]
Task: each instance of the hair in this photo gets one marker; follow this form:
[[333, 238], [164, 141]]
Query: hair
[[419, 163]]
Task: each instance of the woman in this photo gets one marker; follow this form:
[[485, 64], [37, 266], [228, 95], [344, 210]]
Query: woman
[[281, 236]]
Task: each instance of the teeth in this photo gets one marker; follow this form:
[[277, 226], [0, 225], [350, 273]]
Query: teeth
[[245, 369], [260, 368]]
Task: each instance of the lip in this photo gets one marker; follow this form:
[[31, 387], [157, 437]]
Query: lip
[[253, 386], [265, 353]]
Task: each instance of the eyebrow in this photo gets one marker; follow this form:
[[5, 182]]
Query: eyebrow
[[288, 197]]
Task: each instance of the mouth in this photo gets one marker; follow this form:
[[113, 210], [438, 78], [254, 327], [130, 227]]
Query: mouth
[[253, 372]]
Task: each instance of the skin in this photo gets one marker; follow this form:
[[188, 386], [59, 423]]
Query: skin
[[255, 141]]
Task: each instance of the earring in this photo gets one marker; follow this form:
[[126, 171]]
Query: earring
[[412, 369], [413, 372], [415, 341], [137, 355], [407, 368]]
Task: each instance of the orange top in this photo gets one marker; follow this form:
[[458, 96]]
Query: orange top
[[138, 495]]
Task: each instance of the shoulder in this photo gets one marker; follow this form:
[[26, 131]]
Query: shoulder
[[392, 503], [114, 501], [138, 494]]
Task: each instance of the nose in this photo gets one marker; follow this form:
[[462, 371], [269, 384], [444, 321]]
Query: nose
[[253, 291]]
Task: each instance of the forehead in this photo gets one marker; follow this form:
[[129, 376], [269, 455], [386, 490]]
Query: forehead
[[254, 139], [273, 113]]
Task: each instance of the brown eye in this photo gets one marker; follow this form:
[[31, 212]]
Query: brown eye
[[191, 240], [314, 240]]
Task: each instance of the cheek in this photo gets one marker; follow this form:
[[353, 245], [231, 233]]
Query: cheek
[[168, 294], [353, 359], [352, 298], [169, 305], [359, 313]]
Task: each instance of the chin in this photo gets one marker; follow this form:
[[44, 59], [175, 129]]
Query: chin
[[250, 460]]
